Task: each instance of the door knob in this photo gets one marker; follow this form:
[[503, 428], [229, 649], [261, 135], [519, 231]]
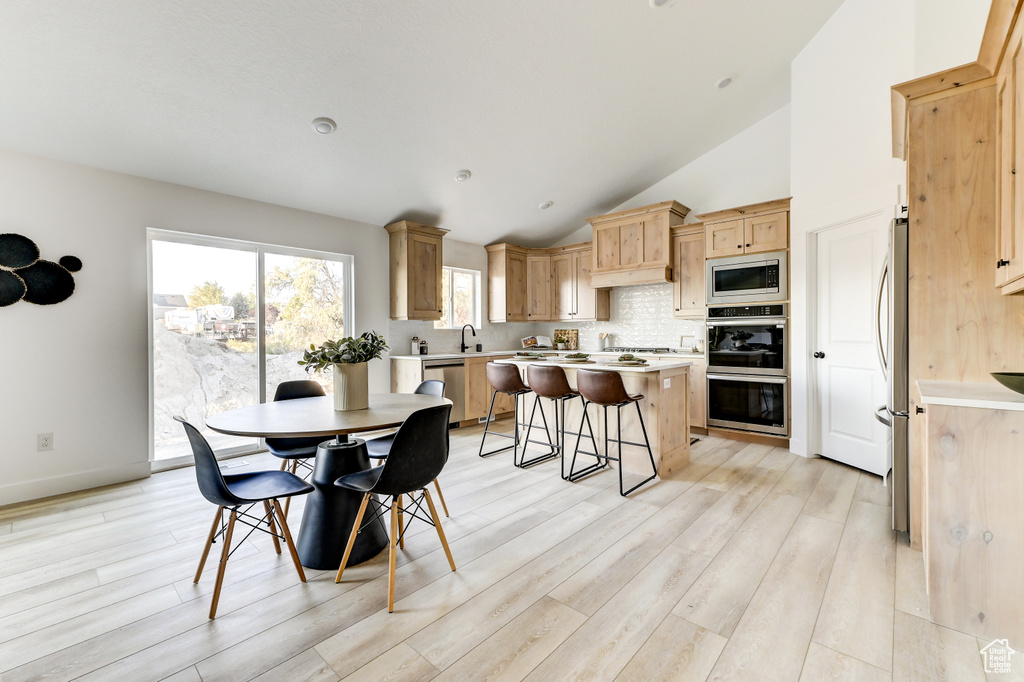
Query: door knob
[[818, 354]]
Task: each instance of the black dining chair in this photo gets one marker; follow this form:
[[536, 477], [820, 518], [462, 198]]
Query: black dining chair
[[417, 455], [240, 493], [298, 451], [378, 448]]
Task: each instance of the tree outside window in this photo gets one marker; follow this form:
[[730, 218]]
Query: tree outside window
[[460, 298]]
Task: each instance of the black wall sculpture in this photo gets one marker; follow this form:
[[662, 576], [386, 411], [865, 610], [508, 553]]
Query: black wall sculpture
[[25, 276]]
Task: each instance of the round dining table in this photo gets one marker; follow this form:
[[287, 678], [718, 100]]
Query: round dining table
[[330, 511]]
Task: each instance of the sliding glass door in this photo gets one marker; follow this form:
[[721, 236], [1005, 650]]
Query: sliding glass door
[[229, 322]]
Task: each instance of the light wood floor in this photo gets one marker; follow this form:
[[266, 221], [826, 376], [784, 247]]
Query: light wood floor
[[750, 564]]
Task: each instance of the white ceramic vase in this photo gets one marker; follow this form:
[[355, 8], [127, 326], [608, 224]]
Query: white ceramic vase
[[351, 387]]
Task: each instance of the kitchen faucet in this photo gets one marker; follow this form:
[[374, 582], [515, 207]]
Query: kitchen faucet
[[464, 346]]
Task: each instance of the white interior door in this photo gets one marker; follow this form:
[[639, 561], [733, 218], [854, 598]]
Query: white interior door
[[850, 381]]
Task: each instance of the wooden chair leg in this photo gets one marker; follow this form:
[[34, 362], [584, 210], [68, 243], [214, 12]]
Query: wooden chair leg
[[444, 506], [288, 540], [284, 464], [209, 542], [401, 525], [273, 526], [224, 553], [440, 531], [352, 536], [391, 556]]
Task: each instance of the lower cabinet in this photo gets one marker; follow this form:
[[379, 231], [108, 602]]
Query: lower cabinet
[[478, 390], [698, 393]]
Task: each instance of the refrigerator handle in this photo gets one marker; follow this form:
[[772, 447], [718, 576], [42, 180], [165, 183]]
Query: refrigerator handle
[[879, 343], [878, 415]]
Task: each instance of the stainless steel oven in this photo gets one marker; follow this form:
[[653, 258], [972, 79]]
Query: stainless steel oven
[[754, 278], [751, 339], [749, 403], [748, 368]]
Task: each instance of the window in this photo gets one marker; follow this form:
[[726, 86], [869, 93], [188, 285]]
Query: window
[[230, 320], [460, 298]]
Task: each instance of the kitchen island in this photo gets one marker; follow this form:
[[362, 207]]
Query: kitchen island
[[665, 387]]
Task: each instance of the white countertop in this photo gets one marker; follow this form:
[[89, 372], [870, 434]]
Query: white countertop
[[987, 396], [662, 357], [650, 367]]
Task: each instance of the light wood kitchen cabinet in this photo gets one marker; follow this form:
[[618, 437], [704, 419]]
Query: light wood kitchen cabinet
[[562, 291], [478, 390], [591, 305], [688, 295], [506, 279], [974, 513], [698, 393], [757, 228], [538, 287], [415, 264], [572, 297], [1009, 265], [635, 246]]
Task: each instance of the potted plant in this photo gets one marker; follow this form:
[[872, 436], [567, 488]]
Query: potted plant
[[560, 343], [348, 357]]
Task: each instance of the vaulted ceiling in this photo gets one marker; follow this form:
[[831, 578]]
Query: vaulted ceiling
[[579, 102]]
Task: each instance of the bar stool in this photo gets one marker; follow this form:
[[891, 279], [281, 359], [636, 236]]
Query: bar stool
[[607, 390], [549, 382], [505, 378]]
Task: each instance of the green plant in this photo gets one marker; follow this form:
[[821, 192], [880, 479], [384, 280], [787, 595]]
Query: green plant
[[348, 350], [560, 339]]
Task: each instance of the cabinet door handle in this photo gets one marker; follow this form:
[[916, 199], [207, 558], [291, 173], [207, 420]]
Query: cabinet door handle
[[819, 354], [1002, 263], [748, 246]]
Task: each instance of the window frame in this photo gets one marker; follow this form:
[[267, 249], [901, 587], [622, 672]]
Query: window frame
[[260, 249], [477, 278]]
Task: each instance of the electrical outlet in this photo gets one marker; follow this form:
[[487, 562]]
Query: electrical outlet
[[44, 442]]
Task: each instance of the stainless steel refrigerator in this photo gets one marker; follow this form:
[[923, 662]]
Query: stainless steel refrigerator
[[893, 349]]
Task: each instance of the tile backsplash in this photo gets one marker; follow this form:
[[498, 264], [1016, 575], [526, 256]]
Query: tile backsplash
[[640, 316]]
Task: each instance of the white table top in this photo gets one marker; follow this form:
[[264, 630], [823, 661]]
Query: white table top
[[988, 396], [317, 416]]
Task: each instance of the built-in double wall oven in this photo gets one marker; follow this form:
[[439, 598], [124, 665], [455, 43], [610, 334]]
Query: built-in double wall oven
[[748, 368]]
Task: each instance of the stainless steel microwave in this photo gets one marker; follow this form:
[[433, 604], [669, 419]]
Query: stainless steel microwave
[[753, 278]]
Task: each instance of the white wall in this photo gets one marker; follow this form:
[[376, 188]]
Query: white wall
[[841, 159], [80, 368], [750, 167], [947, 33], [842, 165]]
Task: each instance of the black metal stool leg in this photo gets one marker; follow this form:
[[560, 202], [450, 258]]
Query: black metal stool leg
[[602, 460], [523, 462], [487, 423]]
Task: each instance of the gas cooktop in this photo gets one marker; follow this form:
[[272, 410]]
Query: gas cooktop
[[624, 349]]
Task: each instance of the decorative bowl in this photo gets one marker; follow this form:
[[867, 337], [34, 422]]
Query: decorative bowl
[[1012, 380]]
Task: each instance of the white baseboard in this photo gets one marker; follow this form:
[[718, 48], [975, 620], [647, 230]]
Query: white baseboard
[[13, 493]]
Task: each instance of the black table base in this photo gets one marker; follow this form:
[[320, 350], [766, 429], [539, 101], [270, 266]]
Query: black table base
[[330, 511]]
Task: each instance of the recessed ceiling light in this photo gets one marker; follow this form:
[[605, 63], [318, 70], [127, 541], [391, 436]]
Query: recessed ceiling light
[[657, 4], [324, 125], [463, 175], [722, 83], [546, 205]]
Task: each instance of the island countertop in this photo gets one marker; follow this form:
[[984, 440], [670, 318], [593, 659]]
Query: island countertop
[[642, 369]]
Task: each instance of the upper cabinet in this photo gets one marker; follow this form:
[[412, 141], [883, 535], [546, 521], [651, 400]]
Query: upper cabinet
[[688, 294], [757, 228], [506, 283], [573, 299], [1009, 265], [542, 285], [416, 261], [538, 288], [635, 246]]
